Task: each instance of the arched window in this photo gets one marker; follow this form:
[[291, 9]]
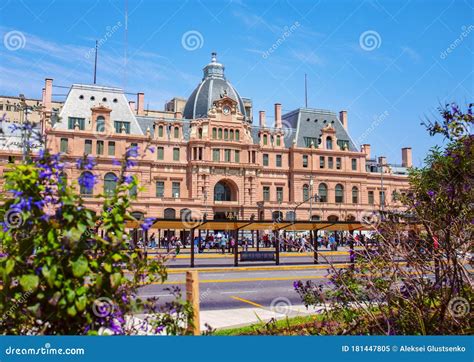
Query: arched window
[[176, 132], [329, 143], [100, 124], [185, 214], [355, 195], [333, 218], [237, 135], [226, 134], [214, 133], [315, 218], [110, 183], [220, 133], [86, 182], [169, 214], [305, 192], [323, 193], [222, 192], [290, 216], [277, 216], [160, 131], [265, 139], [278, 142], [339, 194], [200, 133], [231, 134]]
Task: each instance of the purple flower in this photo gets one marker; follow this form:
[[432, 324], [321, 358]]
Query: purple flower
[[151, 149], [147, 223], [116, 162], [128, 179], [129, 163], [87, 180], [132, 152], [87, 163]]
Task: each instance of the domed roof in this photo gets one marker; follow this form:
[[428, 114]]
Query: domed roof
[[212, 87]]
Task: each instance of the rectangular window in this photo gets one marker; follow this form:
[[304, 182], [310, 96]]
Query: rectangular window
[[64, 145], [278, 140], [160, 153], [160, 188], [227, 155], [354, 164], [266, 193], [120, 125], [72, 121], [338, 163], [330, 162], [237, 156], [382, 197], [371, 197], [237, 135], [176, 132], [279, 194], [176, 189], [88, 147], [175, 154], [100, 147], [309, 140], [321, 161], [265, 159], [278, 160], [160, 131], [214, 133], [216, 155], [305, 161], [111, 148]]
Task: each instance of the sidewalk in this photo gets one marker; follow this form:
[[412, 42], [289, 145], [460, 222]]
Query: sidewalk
[[240, 317]]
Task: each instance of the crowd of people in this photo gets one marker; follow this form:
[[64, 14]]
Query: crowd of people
[[223, 242]]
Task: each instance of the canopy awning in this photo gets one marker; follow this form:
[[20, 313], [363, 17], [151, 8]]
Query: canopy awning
[[178, 224]]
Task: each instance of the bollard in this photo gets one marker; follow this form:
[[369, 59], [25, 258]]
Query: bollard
[[192, 296]]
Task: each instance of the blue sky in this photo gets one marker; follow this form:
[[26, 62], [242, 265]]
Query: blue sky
[[385, 62]]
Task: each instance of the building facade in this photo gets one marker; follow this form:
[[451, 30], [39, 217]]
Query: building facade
[[210, 159]]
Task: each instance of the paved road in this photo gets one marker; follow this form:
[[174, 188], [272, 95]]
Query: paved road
[[242, 289]]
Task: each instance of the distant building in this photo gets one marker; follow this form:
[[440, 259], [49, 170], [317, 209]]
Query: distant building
[[209, 158]]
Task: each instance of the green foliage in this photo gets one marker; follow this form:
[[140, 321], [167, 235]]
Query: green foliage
[[65, 270]]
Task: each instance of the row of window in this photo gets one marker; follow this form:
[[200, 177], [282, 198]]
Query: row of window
[[276, 139], [226, 134], [278, 160], [119, 126], [110, 184], [175, 189]]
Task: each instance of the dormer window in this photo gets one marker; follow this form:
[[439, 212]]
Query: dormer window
[[81, 97], [329, 143], [104, 99], [92, 98], [115, 100]]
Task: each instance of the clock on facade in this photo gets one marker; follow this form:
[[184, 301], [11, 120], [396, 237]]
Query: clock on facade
[[226, 110]]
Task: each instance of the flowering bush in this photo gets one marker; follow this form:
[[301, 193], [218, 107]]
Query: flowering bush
[[59, 274], [415, 281]]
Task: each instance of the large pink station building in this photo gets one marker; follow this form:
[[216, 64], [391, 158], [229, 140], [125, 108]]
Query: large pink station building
[[210, 158]]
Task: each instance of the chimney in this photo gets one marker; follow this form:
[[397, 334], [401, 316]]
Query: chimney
[[178, 115], [43, 92], [261, 118], [407, 160], [48, 94], [366, 149], [277, 115], [382, 160], [132, 105], [140, 103], [343, 118]]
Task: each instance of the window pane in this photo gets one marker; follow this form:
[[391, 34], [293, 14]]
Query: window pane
[[237, 156], [88, 147], [160, 188], [278, 161], [64, 145], [160, 131], [216, 155], [176, 189], [160, 151], [237, 135], [265, 159], [175, 154], [100, 147], [111, 148]]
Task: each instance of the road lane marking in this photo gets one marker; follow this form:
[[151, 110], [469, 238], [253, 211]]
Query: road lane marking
[[238, 280], [240, 292], [248, 302]]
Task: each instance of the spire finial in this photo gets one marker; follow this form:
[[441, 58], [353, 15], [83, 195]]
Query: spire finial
[[214, 57]]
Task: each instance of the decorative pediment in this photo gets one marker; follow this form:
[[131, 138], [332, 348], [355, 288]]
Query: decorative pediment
[[328, 129], [225, 100], [101, 109]]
